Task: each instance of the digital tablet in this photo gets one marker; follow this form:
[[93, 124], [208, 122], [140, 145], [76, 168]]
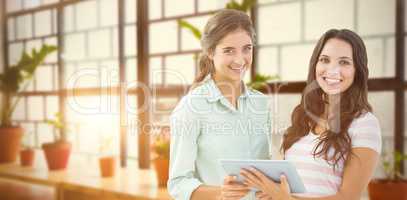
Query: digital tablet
[[272, 168]]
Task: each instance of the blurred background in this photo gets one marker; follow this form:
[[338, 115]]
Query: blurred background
[[102, 43]]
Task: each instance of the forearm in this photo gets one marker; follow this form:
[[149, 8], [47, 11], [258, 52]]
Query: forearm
[[206, 192]]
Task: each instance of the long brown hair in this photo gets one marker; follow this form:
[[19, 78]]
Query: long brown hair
[[353, 103], [217, 27]]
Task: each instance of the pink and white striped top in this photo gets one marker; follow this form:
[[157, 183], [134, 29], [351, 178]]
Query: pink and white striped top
[[318, 176]]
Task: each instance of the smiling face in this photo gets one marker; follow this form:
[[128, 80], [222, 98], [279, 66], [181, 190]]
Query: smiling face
[[335, 70], [232, 56]]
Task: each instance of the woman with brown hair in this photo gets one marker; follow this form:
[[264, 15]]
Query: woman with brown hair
[[334, 140], [220, 118]]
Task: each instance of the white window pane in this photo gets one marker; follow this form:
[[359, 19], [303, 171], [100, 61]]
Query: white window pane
[[158, 43], [294, 62], [132, 110], [131, 11], [375, 53], [43, 78], [109, 73], [132, 142], [318, 20], [45, 2], [31, 3], [24, 27], [11, 29], [14, 5], [156, 71], [28, 139], [383, 107], [154, 7], [86, 15], [130, 46], [19, 112], [86, 75], [209, 5], [178, 7], [180, 69], [15, 51], [33, 44], [108, 12], [35, 108], [266, 1], [43, 23], [268, 61], [188, 41], [69, 18], [45, 133], [52, 106], [99, 44], [131, 70], [115, 43], [381, 12], [74, 47], [70, 75], [271, 23]]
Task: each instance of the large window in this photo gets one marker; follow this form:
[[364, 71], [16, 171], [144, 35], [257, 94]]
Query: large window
[[89, 32]]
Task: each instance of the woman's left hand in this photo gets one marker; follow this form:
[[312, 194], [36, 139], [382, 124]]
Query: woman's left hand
[[255, 178]]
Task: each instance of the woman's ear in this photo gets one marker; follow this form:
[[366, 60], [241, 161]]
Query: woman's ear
[[210, 55]]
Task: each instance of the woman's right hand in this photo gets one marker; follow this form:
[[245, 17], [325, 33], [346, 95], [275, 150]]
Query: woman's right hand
[[232, 189], [262, 196]]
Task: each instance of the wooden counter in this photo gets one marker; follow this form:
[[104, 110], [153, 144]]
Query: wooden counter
[[81, 180]]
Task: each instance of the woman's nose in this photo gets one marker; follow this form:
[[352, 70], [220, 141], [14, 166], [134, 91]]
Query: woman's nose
[[239, 59], [333, 70]]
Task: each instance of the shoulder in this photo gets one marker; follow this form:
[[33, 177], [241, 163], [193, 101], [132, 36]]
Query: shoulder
[[366, 119]]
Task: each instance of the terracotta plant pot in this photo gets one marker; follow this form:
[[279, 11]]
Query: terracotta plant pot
[[161, 166], [27, 157], [10, 139], [57, 154], [384, 189], [107, 166]]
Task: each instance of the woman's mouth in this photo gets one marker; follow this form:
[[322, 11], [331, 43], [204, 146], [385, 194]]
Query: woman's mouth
[[237, 69], [332, 81]]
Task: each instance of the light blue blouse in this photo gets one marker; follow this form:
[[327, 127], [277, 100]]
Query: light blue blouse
[[205, 127]]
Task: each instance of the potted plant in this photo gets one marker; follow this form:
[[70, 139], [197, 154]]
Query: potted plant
[[161, 153], [260, 81], [107, 162], [394, 186], [13, 80], [57, 153], [27, 154]]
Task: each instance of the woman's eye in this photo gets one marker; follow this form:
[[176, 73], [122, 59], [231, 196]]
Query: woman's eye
[[247, 49], [324, 60], [344, 62], [228, 51]]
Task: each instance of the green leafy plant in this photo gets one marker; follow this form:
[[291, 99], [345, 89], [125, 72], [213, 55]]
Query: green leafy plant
[[16, 79], [259, 81], [160, 144], [244, 6], [58, 124], [391, 164]]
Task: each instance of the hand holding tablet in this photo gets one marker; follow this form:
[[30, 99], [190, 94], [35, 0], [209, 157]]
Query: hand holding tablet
[[271, 168]]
